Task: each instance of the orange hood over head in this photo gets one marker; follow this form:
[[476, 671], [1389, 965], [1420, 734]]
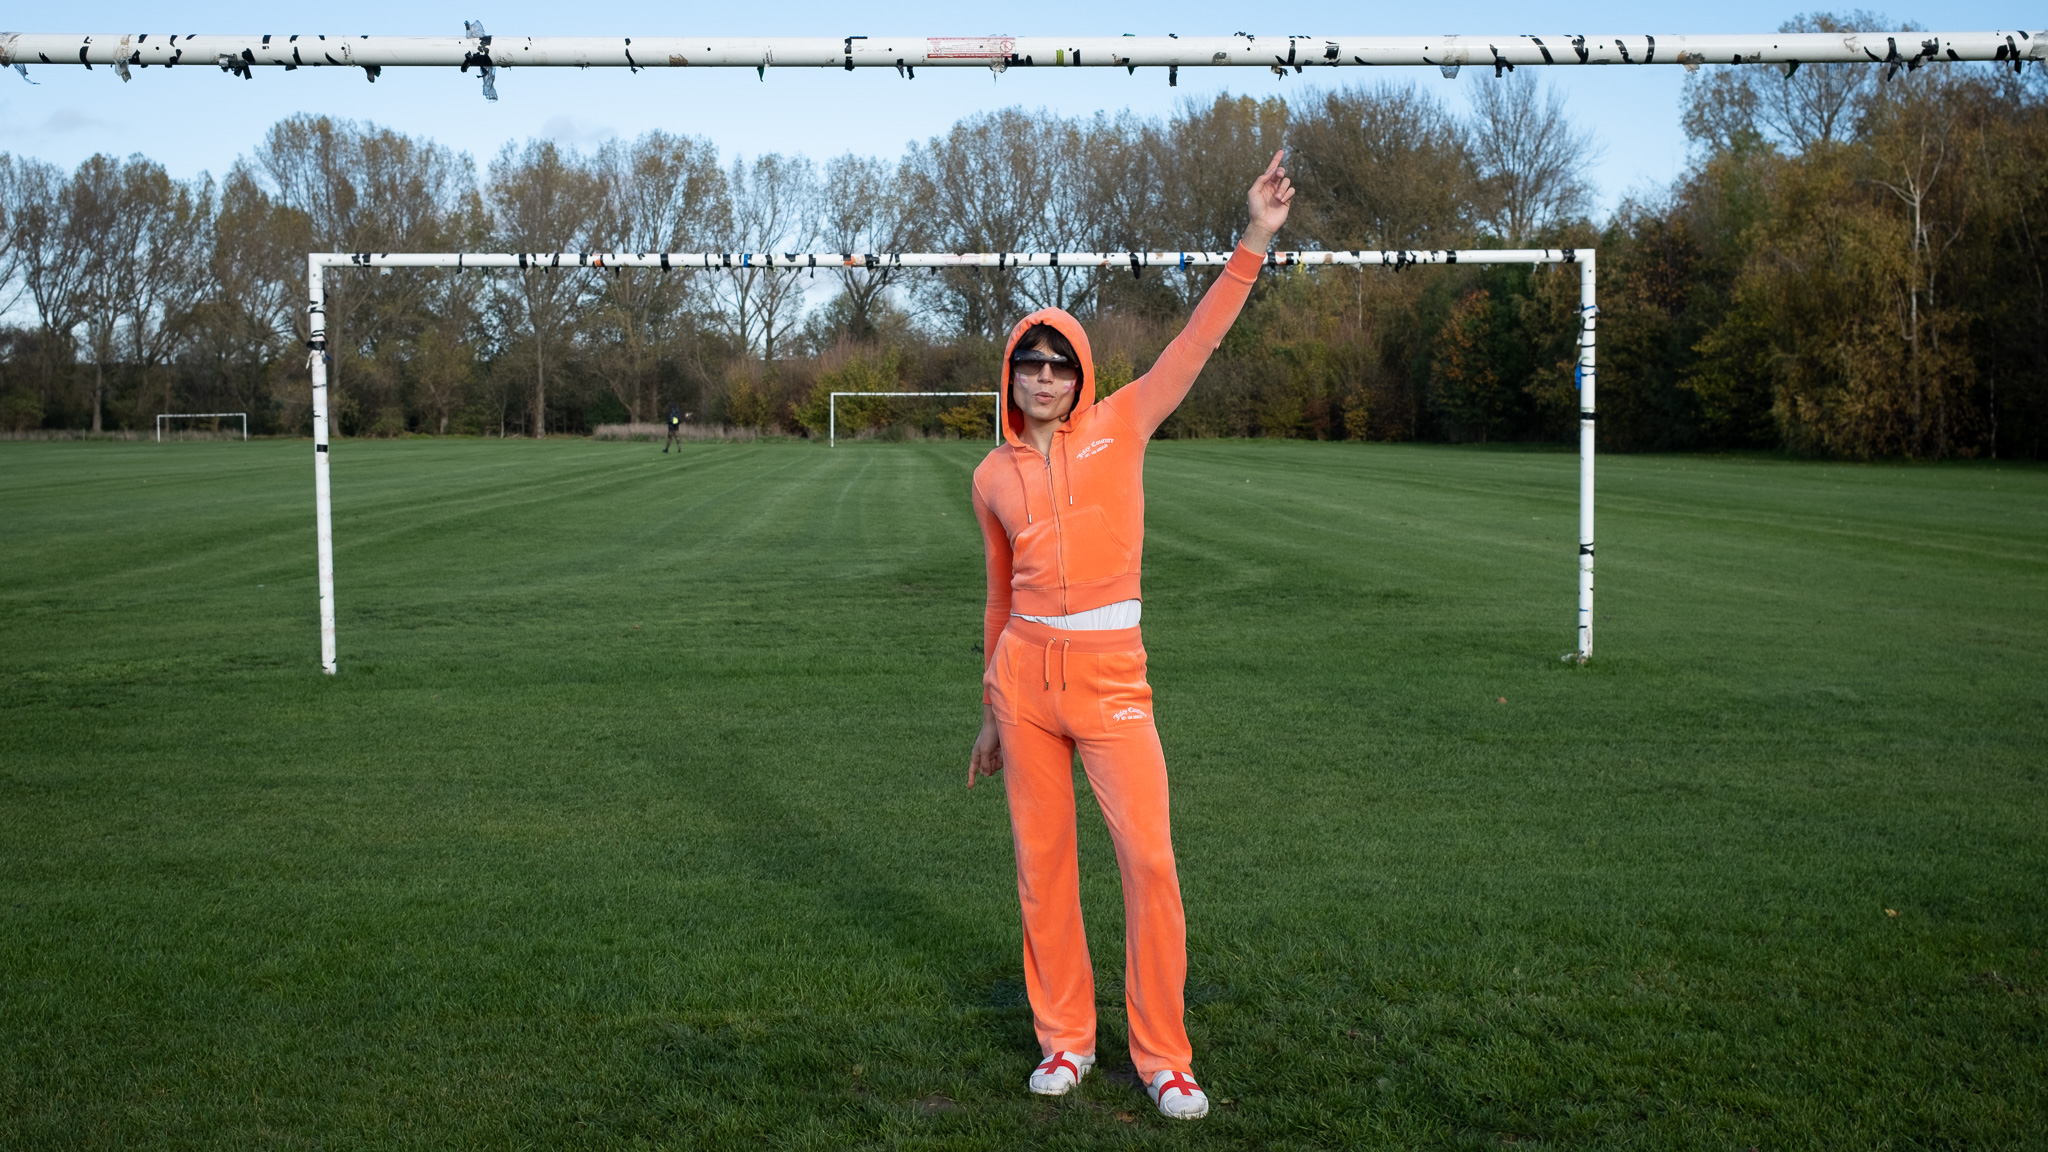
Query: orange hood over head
[[1064, 323]]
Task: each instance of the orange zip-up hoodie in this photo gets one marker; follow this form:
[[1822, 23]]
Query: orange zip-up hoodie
[[1066, 533]]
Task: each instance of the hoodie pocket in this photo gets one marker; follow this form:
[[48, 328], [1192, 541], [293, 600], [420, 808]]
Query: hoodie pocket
[[1033, 563], [1093, 550]]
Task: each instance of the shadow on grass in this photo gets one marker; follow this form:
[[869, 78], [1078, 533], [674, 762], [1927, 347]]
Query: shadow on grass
[[945, 1017]]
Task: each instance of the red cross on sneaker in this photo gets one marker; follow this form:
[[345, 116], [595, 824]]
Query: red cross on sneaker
[[1055, 1062], [1180, 1080]]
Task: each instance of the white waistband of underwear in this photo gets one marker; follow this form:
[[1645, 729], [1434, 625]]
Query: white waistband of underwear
[[1122, 614]]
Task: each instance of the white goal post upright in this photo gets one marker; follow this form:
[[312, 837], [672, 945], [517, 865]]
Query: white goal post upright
[[163, 416], [1589, 318], [832, 414], [323, 489], [316, 313]]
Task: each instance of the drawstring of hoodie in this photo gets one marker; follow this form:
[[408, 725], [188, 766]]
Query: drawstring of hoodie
[[1062, 645], [1024, 479], [1060, 451], [1017, 458]]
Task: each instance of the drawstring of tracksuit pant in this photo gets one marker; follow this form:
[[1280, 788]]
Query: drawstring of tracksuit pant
[[1062, 645]]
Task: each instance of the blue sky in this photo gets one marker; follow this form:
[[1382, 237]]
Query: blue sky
[[199, 119]]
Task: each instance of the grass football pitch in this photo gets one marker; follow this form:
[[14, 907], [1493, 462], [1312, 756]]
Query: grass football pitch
[[635, 817]]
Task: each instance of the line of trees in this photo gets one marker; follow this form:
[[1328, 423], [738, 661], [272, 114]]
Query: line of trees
[[1852, 267]]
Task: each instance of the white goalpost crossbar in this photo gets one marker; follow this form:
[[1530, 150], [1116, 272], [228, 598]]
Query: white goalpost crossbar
[[240, 53], [163, 416], [832, 410], [317, 264]]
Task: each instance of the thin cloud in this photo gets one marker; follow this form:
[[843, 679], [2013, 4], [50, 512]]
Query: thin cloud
[[65, 121], [574, 132]]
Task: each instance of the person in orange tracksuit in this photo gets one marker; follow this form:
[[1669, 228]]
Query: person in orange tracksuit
[[1062, 511]]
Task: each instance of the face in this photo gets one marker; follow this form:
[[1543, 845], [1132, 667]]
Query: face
[[1044, 392]]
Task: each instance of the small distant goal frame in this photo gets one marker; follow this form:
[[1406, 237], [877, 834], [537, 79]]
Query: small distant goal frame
[[163, 416], [317, 264], [832, 410]]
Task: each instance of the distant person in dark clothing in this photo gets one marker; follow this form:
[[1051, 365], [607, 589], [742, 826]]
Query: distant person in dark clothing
[[675, 430]]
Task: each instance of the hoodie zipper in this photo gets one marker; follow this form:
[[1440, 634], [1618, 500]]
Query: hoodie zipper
[[1058, 536]]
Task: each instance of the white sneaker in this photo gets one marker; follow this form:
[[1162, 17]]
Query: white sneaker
[[1059, 1073], [1178, 1096]]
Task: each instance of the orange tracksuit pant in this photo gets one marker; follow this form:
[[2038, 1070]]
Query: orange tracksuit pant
[[1055, 692]]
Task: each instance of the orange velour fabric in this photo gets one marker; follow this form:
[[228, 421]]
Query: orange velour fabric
[[1055, 692], [1065, 533]]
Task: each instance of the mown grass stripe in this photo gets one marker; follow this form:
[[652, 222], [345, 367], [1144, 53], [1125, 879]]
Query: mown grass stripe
[[525, 873]]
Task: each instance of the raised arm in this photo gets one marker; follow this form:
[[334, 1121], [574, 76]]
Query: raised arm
[[1151, 398]]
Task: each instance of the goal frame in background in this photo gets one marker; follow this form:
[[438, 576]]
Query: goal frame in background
[[163, 416], [317, 264], [832, 410]]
